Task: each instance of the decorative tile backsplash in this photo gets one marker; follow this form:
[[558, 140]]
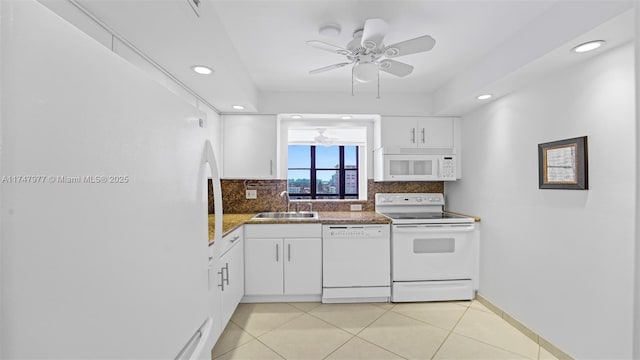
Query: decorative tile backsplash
[[268, 199]]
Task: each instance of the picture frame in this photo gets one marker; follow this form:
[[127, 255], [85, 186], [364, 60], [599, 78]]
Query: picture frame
[[563, 164]]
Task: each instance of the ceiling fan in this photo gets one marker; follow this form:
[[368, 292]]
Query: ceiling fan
[[323, 139], [368, 54]]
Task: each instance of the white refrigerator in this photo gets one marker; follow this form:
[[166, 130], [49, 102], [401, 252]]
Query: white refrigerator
[[103, 201]]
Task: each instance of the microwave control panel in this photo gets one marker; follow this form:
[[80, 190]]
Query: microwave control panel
[[448, 168]]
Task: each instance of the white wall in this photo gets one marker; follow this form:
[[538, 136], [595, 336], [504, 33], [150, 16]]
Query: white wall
[[560, 261], [344, 103]]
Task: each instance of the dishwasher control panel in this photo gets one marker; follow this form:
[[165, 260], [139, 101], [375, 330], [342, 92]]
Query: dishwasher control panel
[[354, 231]]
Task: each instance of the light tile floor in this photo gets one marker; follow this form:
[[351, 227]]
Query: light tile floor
[[440, 330]]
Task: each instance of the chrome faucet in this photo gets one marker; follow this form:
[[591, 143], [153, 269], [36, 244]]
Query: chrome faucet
[[285, 194]]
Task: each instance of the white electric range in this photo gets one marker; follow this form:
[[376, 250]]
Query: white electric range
[[433, 253]]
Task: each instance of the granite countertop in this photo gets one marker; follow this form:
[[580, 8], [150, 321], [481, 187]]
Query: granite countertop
[[231, 222], [475, 218]]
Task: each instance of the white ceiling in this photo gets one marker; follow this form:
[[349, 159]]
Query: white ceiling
[[258, 49], [270, 38]]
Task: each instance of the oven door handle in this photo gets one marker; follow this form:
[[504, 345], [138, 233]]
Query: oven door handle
[[449, 228]]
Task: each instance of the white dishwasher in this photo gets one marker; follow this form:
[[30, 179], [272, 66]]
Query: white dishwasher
[[356, 263]]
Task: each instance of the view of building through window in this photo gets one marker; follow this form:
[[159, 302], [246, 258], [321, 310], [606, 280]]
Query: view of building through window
[[323, 172]]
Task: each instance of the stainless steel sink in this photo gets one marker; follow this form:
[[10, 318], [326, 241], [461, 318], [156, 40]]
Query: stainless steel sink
[[283, 215]]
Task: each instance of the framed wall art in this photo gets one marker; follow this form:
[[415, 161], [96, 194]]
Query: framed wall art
[[563, 164]]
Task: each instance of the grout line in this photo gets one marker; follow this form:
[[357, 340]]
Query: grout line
[[303, 313], [376, 345], [277, 327], [426, 322], [376, 319], [339, 347], [268, 347], [539, 351], [234, 348], [449, 334], [222, 334]]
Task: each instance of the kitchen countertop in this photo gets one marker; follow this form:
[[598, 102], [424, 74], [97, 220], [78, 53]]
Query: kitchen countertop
[[475, 218], [231, 222]]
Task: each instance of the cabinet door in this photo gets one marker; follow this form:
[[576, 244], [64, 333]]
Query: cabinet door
[[215, 296], [399, 131], [303, 266], [233, 263], [249, 146], [263, 274], [435, 133]]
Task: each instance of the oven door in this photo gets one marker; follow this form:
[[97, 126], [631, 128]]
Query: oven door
[[432, 252]]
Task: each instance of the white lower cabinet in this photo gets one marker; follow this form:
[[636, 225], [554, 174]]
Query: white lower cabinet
[[264, 273], [226, 280], [232, 288], [283, 261]]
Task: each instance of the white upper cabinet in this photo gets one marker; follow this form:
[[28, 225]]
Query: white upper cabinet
[[423, 132], [249, 146]]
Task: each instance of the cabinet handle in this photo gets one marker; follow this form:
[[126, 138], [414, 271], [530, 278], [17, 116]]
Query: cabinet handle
[[423, 137], [235, 238], [226, 266], [413, 135], [277, 251], [221, 285], [270, 167], [289, 252]]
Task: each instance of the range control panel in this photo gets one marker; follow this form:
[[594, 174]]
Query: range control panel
[[410, 199]]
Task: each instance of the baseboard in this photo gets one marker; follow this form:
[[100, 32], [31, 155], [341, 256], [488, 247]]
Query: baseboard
[[544, 343], [280, 298]]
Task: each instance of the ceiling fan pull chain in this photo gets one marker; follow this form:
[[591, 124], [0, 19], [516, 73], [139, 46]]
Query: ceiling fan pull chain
[[353, 67], [378, 85]]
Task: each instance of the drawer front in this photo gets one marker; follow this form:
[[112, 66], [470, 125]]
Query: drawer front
[[432, 291], [231, 239], [283, 230]]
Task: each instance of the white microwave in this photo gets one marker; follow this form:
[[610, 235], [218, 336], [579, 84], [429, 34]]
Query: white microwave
[[410, 165]]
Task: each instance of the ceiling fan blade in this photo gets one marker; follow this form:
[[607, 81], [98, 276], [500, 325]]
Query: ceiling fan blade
[[328, 47], [330, 67], [373, 33], [396, 68], [419, 44]]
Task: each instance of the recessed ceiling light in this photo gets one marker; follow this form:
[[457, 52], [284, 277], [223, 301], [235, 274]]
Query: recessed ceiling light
[[296, 116], [588, 46], [238, 107], [202, 70], [346, 118], [484, 97]]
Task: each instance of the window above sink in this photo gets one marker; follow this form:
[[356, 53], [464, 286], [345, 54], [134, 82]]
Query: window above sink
[[326, 157]]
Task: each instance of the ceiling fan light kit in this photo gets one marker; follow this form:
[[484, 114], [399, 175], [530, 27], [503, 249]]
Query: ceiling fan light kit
[[366, 50], [331, 29]]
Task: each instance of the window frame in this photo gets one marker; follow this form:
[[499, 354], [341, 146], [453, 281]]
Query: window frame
[[313, 177]]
